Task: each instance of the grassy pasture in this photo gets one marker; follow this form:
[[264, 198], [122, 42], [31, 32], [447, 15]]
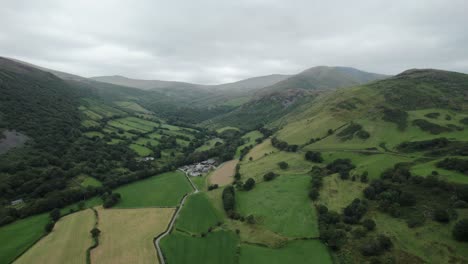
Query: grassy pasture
[[209, 144], [132, 106], [216, 247], [249, 140], [281, 205], [197, 215], [374, 164], [432, 242], [93, 134], [259, 167], [299, 251], [221, 130], [260, 150], [140, 150], [161, 190], [425, 169], [89, 123], [90, 181], [143, 141], [127, 234], [67, 243], [20, 235], [336, 193]]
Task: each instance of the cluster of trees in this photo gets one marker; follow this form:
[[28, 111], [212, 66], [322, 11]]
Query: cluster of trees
[[456, 164], [317, 174], [341, 166], [430, 127], [351, 130], [110, 199], [249, 184], [283, 165], [212, 187], [229, 199], [397, 116], [283, 145]]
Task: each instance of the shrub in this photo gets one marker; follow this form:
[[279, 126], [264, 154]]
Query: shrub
[[111, 199], [322, 209], [314, 156], [55, 215], [95, 232], [441, 215], [456, 164], [355, 211], [396, 116], [376, 246], [250, 219], [314, 194], [212, 187], [365, 177], [49, 226], [269, 176], [432, 128], [359, 232], [249, 184], [460, 230], [362, 134], [369, 224], [283, 165]]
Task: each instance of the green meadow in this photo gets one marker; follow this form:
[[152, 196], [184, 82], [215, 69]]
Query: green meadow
[[281, 205], [298, 251], [216, 247], [197, 215], [20, 235], [165, 189]]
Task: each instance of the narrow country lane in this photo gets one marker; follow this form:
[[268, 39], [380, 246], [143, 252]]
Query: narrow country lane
[[171, 224]]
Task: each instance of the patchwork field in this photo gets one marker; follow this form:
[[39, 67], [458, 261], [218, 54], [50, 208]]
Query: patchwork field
[[67, 243], [127, 234], [281, 205], [20, 236], [265, 148], [224, 174], [161, 190], [216, 247], [209, 144], [299, 251], [197, 215]]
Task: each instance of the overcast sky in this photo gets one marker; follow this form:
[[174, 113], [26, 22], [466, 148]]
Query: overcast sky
[[221, 41]]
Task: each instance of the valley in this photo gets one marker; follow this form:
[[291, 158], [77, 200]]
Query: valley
[[331, 165]]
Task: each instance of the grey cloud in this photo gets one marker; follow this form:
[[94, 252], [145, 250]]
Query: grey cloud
[[213, 41]]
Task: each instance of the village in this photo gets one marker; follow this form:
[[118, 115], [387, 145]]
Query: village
[[199, 169]]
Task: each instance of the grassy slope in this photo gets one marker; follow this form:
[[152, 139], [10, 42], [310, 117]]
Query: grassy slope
[[66, 244], [282, 206], [20, 236], [161, 190], [197, 215], [300, 251]]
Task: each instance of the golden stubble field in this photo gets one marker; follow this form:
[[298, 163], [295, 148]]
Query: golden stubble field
[[127, 234], [67, 243], [224, 175]]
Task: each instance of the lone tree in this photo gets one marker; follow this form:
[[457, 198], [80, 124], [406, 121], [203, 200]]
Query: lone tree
[[95, 232], [49, 226], [460, 230], [283, 165], [249, 184]]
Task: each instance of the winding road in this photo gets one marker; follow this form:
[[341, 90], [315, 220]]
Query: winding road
[[171, 224]]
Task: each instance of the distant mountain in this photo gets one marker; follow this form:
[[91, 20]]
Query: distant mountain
[[144, 84], [324, 77]]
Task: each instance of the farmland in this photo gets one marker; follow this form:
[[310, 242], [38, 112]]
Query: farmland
[[127, 234], [161, 190], [66, 244], [293, 252], [20, 236], [282, 206], [224, 174], [216, 247], [197, 215]]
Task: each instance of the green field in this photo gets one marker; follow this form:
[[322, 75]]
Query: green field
[[132, 106], [209, 144], [425, 169], [93, 134], [216, 247], [259, 167], [197, 215], [161, 190], [90, 181], [299, 251], [140, 150], [20, 235], [336, 193], [249, 140], [281, 205]]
